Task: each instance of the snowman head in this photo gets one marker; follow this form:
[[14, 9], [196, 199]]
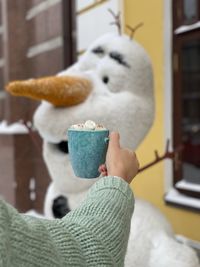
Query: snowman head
[[120, 63]]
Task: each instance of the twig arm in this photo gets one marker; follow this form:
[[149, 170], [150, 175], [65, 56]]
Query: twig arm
[[167, 155]]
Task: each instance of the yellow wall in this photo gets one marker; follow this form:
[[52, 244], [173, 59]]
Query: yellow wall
[[150, 184]]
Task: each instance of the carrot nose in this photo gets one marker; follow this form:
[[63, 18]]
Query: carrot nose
[[61, 91]]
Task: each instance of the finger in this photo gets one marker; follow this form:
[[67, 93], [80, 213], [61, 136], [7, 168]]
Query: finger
[[114, 140], [102, 168]]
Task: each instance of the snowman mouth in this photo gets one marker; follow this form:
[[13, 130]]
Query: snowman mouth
[[63, 147]]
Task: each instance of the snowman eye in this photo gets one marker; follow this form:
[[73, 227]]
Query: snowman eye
[[119, 59], [98, 50]]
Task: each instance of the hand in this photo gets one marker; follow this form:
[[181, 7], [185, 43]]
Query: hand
[[120, 162]]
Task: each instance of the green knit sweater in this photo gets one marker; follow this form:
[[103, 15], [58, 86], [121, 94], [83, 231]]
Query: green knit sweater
[[95, 234]]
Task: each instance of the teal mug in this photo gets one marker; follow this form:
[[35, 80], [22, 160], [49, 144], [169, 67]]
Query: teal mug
[[87, 151]]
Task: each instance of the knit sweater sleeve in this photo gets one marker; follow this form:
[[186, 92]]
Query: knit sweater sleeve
[[105, 217], [95, 234]]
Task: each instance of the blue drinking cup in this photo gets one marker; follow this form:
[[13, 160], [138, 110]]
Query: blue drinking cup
[[87, 151]]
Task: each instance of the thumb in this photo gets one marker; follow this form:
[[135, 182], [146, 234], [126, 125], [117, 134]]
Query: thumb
[[114, 141]]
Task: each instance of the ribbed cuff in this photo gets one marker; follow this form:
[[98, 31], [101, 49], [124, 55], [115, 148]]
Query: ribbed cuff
[[113, 182]]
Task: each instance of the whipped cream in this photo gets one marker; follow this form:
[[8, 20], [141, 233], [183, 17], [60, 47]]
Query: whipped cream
[[89, 125]]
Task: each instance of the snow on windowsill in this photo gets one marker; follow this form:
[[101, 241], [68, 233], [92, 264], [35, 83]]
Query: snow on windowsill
[[188, 186], [187, 28], [14, 128], [173, 196]]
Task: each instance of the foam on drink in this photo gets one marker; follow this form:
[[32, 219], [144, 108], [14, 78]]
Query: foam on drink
[[89, 125]]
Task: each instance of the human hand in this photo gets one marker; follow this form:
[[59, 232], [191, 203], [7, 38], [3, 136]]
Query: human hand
[[120, 162]]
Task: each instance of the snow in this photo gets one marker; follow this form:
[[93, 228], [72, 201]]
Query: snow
[[187, 28], [175, 197], [14, 128], [183, 184]]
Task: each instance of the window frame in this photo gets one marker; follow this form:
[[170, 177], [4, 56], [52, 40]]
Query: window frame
[[176, 194], [178, 40]]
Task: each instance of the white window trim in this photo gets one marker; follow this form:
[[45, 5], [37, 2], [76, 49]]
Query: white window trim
[[83, 21], [171, 194], [168, 89]]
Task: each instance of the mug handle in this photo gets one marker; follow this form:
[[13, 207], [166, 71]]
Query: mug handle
[[106, 140]]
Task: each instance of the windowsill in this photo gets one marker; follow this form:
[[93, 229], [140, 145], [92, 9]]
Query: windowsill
[[187, 28], [14, 128], [188, 186], [173, 197]]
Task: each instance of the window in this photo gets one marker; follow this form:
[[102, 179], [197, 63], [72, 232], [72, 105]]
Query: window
[[186, 95], [36, 39]]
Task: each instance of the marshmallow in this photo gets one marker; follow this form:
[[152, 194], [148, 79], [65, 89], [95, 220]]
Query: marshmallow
[[90, 125]]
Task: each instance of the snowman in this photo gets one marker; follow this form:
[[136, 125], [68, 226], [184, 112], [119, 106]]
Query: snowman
[[111, 84]]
